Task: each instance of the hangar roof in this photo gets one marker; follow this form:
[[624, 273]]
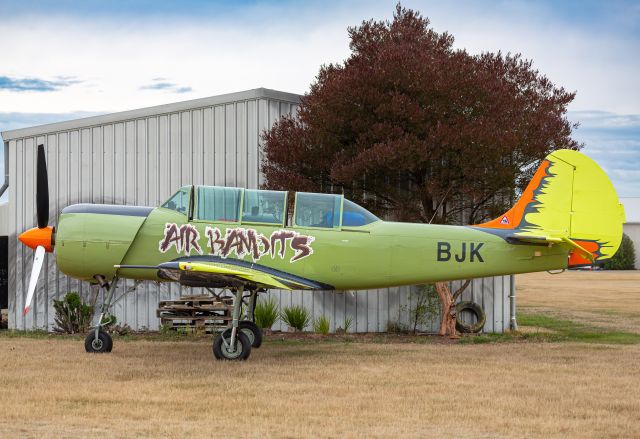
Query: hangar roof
[[255, 93], [631, 209]]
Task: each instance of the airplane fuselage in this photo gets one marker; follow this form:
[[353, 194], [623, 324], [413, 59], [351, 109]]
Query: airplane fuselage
[[92, 239]]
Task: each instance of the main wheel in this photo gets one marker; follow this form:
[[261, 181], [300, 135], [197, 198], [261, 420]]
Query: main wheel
[[252, 331], [223, 350], [102, 344]]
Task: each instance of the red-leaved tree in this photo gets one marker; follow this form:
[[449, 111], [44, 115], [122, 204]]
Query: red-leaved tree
[[416, 130]]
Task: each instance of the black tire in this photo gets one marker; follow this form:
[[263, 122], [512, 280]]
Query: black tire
[[243, 347], [103, 344], [252, 331], [470, 328]]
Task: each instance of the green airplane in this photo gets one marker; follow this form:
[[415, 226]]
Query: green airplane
[[251, 240]]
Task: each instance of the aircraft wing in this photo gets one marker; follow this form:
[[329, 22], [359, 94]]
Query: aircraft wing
[[217, 272]]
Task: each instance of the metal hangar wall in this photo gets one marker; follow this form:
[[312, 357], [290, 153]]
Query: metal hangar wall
[[141, 157]]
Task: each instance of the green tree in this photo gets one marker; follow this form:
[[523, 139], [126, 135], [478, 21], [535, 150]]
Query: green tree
[[625, 257]]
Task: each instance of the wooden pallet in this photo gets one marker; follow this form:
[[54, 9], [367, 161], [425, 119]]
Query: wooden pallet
[[195, 313]]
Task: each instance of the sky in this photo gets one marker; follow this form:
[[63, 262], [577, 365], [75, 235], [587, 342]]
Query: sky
[[68, 59]]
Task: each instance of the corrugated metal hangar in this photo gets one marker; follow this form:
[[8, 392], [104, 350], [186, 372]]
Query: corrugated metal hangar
[[141, 157]]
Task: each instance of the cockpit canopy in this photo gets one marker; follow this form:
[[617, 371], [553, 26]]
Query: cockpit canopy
[[253, 206]]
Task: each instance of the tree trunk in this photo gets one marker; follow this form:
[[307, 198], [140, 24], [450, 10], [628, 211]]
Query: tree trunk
[[448, 301], [448, 322]]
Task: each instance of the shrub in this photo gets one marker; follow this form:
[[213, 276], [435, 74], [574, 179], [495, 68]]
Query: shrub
[[296, 317], [266, 313], [625, 257], [72, 316], [396, 328], [348, 321], [425, 309], [322, 325]]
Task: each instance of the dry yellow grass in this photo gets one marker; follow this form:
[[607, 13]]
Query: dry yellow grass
[[51, 388], [602, 298]]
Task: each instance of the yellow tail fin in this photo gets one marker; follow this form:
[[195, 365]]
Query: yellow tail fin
[[570, 198]]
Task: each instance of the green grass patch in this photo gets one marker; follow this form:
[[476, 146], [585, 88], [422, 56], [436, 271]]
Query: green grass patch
[[574, 331], [35, 333], [559, 330]]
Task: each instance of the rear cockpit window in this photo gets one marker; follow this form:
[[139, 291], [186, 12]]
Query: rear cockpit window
[[318, 210], [354, 215], [263, 206], [218, 204], [179, 201]]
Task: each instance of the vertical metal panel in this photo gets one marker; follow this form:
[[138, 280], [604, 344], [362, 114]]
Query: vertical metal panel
[[108, 158], [186, 159], [197, 156], [143, 161], [13, 261], [241, 157], [230, 145], [97, 164], [253, 150], [219, 157], [208, 145]]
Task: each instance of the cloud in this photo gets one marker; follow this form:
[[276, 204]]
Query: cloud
[[168, 86], [612, 140], [35, 84], [223, 47]]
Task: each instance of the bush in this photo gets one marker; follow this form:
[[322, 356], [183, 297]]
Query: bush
[[296, 317], [348, 321], [426, 306], [72, 316], [322, 325], [396, 328], [625, 257], [266, 313]]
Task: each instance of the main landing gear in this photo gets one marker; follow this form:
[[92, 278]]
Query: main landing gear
[[235, 342]]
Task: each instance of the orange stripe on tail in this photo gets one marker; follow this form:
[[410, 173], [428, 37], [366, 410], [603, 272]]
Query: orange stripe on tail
[[514, 216]]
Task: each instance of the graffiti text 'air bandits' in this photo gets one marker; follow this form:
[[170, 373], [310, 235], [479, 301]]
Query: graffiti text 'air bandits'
[[247, 241]]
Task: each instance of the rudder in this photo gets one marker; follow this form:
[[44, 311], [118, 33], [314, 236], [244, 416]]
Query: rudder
[[569, 196]]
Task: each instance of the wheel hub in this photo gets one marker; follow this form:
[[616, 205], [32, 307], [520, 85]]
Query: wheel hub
[[232, 351]]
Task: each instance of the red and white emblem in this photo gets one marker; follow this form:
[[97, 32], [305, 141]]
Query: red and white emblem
[[504, 220]]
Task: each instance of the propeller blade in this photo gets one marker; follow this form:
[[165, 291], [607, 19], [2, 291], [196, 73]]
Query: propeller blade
[[42, 189], [35, 274]]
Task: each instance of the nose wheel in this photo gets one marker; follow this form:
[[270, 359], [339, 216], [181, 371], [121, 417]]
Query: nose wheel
[[98, 340], [102, 343]]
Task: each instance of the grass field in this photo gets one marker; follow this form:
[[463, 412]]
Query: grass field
[[562, 381], [606, 299]]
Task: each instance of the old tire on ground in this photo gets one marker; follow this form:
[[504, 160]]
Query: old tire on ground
[[252, 331], [103, 344], [222, 352], [470, 328]]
